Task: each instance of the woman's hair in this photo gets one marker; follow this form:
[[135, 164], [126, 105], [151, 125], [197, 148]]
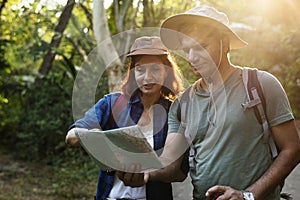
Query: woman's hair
[[171, 87]]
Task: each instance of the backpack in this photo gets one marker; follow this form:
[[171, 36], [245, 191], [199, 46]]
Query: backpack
[[256, 101]]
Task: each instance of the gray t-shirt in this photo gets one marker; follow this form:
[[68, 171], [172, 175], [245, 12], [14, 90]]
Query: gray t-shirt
[[228, 141]]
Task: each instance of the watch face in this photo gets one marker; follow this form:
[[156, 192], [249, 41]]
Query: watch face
[[248, 195]]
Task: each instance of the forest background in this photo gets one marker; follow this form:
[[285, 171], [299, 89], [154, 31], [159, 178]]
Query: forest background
[[43, 45]]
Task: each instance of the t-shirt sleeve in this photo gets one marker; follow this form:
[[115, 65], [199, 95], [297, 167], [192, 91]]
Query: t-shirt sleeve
[[174, 125], [96, 115], [278, 108]]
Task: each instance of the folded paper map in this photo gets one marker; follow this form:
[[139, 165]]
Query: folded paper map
[[118, 149]]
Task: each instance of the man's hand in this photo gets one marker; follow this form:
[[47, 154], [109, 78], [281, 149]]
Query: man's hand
[[225, 193], [133, 178]]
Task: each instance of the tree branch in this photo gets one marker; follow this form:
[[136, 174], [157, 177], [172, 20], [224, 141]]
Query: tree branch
[[56, 39], [88, 14], [2, 6]]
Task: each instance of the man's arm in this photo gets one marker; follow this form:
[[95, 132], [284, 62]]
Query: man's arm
[[287, 140], [171, 158]]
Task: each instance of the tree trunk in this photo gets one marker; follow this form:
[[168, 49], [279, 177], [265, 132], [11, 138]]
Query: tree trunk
[[120, 11], [2, 5], [107, 50], [132, 26], [56, 39], [146, 14]]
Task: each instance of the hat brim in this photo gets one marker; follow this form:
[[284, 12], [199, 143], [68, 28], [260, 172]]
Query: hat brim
[[172, 26], [154, 52]]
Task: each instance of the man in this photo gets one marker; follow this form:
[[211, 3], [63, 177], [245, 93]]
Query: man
[[231, 160]]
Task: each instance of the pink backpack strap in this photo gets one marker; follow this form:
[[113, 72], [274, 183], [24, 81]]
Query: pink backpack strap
[[119, 104]]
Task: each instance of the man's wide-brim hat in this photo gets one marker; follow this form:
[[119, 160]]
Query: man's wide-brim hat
[[204, 16], [148, 45]]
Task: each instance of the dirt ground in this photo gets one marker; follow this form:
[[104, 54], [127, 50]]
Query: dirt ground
[[18, 180], [35, 181]]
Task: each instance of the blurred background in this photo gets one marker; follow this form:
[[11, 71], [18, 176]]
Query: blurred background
[[43, 45]]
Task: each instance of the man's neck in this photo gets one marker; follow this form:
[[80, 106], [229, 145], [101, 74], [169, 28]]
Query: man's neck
[[218, 78]]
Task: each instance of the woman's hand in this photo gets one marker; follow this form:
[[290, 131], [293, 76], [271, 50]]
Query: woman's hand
[[133, 177], [71, 138]]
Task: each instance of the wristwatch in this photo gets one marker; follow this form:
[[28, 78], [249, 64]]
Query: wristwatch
[[248, 195]]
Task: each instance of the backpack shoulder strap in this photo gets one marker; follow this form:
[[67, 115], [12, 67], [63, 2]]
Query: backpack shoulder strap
[[256, 101], [119, 104], [116, 108], [254, 92]]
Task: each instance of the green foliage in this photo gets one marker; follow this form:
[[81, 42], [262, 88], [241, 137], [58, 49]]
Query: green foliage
[[4, 72], [10, 97], [45, 118], [28, 31], [188, 75]]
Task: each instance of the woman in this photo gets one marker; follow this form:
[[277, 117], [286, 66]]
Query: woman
[[151, 83]]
